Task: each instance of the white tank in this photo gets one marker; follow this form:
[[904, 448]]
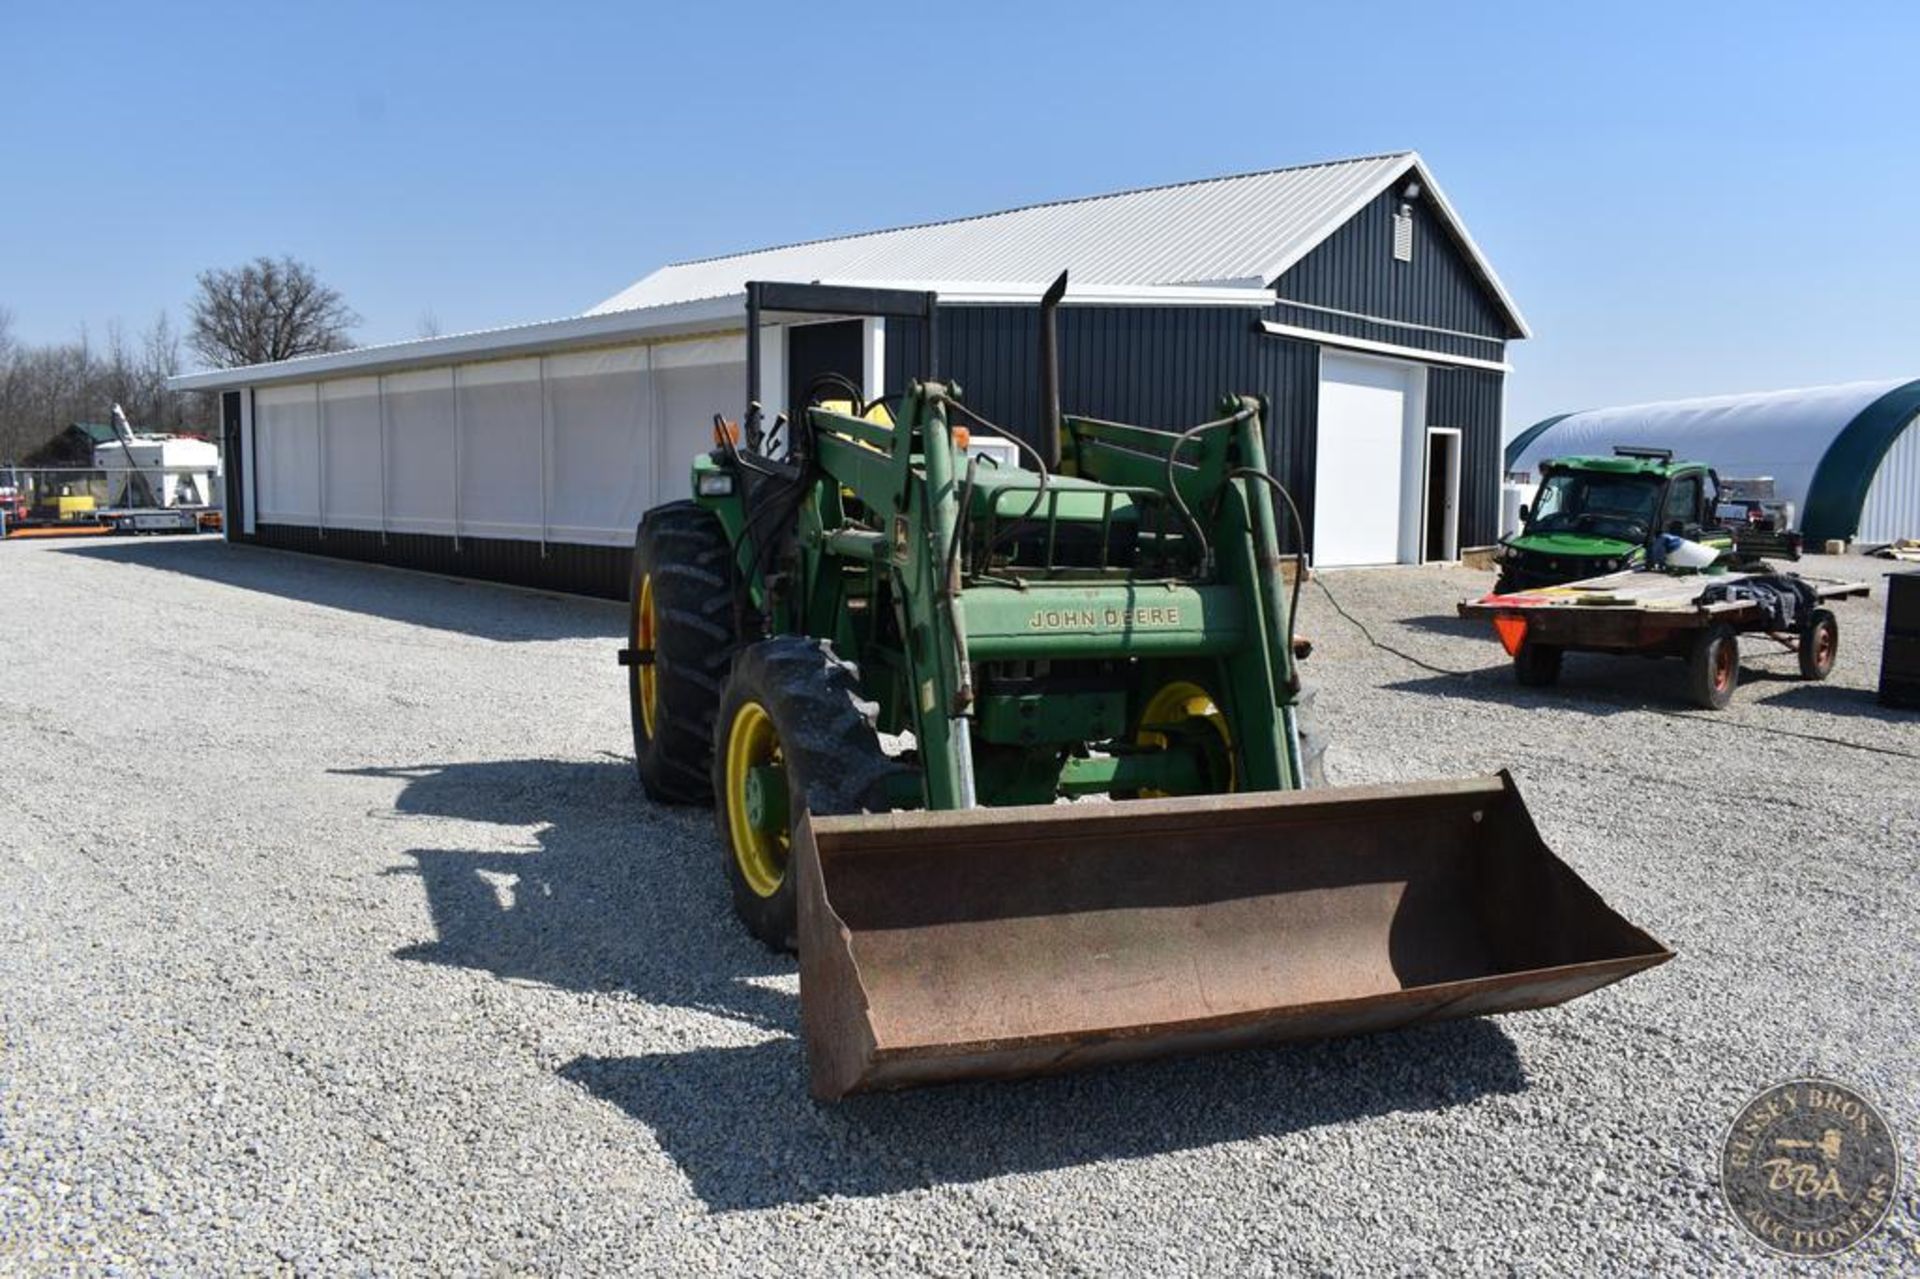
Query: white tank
[[1512, 498], [179, 471]]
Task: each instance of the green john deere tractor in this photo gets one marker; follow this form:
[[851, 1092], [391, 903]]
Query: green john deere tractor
[[904, 652]]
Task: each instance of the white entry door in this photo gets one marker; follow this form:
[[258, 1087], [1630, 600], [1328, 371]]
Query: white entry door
[[1367, 450]]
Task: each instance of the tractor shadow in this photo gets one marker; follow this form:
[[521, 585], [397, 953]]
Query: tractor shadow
[[615, 893], [481, 609], [739, 1123], [610, 893]]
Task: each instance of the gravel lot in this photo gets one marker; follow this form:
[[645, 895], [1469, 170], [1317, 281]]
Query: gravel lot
[[338, 938]]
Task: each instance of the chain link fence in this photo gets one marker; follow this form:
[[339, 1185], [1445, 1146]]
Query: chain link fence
[[106, 498]]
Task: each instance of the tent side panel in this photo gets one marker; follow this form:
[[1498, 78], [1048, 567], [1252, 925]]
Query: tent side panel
[[1892, 509]]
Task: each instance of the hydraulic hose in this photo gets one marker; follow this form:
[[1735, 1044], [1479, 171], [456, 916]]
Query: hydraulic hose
[[1039, 466], [1173, 489]]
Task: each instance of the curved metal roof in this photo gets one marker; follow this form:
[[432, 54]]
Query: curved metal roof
[[1821, 445]]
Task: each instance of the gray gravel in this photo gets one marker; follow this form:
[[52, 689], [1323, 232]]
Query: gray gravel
[[338, 939]]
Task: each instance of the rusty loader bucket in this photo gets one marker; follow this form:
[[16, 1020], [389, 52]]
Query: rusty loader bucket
[[941, 946]]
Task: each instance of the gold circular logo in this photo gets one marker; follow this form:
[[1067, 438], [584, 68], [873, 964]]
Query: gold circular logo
[[1809, 1168]]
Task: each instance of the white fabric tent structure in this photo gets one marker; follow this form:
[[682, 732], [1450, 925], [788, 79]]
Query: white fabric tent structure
[[570, 447], [1847, 457]]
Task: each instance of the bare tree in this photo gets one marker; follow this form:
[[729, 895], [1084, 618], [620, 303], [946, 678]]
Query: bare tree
[[266, 310], [43, 389], [428, 326]]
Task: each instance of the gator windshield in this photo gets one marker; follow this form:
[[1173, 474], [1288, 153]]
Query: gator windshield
[[1619, 506]]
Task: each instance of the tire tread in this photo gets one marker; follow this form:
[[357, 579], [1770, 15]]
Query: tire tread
[[685, 549]]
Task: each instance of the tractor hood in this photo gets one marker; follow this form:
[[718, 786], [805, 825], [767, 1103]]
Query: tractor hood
[[1582, 544]]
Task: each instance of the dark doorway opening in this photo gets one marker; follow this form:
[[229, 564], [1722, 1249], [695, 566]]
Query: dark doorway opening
[[231, 459], [813, 349], [1440, 509]]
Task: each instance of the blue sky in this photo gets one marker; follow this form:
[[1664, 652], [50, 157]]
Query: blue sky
[[1684, 198]]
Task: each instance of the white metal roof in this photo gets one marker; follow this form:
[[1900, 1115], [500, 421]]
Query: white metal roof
[[1242, 231], [1214, 242], [653, 323], [711, 315]]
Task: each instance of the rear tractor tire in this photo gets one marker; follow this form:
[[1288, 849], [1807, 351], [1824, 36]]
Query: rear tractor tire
[[680, 624], [1713, 666], [1819, 644], [792, 736]]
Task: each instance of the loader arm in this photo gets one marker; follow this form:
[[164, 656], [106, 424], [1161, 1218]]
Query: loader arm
[[956, 610]]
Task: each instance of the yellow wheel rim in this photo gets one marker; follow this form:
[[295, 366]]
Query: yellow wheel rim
[[1175, 703], [762, 855], [644, 638]]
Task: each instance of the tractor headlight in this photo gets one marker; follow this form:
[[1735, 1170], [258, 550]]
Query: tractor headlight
[[714, 484]]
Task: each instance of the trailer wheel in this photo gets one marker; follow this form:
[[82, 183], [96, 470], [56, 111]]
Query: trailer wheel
[[1819, 644], [680, 626], [1713, 666], [792, 735], [1537, 665]]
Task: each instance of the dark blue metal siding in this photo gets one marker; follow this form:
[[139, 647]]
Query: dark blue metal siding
[[1470, 400], [559, 566], [1355, 270], [1290, 379], [1156, 366], [1373, 331], [1167, 367]]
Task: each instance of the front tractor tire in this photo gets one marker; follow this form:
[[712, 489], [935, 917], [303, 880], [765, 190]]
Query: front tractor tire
[[680, 628], [792, 735]]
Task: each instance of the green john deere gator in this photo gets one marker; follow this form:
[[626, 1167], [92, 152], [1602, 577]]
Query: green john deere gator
[[1594, 515], [909, 658]]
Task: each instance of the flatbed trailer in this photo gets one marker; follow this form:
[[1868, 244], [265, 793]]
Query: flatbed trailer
[[1658, 614], [119, 520]]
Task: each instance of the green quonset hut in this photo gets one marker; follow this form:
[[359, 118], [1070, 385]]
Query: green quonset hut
[[1847, 457]]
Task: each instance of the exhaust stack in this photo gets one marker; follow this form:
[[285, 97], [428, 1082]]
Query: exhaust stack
[[1050, 372]]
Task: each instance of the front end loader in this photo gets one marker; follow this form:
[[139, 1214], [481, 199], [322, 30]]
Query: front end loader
[[904, 659]]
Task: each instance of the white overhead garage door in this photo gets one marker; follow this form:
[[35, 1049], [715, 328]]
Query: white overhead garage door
[[1370, 416]]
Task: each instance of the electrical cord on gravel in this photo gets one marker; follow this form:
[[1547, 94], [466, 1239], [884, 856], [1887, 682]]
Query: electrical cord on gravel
[[1655, 710]]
